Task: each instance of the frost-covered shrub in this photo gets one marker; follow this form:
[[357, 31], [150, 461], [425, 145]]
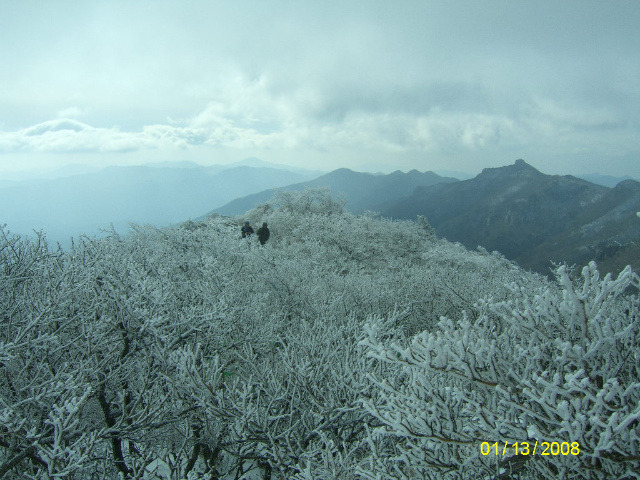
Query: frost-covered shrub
[[190, 353], [558, 366]]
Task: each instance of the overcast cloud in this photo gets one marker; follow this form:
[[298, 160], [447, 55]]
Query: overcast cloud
[[454, 85]]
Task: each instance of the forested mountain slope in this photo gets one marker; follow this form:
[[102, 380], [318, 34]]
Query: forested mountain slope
[[531, 217], [608, 231], [347, 347], [360, 190]]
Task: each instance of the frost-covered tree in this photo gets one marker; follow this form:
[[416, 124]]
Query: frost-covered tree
[[559, 366], [189, 353]]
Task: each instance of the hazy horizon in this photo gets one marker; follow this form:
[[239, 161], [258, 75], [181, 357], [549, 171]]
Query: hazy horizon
[[15, 177], [374, 86]]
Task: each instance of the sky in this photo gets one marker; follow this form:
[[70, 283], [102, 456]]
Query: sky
[[369, 85]]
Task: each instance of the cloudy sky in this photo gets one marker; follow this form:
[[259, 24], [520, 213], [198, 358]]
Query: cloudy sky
[[370, 85]]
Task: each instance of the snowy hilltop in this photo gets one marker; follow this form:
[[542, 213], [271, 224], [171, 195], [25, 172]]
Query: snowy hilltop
[[347, 347]]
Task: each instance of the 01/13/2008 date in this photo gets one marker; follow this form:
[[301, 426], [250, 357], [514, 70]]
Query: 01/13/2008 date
[[526, 448]]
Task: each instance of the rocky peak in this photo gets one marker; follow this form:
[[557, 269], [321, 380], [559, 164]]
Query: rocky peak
[[519, 169]]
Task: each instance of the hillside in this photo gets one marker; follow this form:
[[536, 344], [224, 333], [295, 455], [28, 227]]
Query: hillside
[[608, 232], [365, 349], [360, 190], [528, 216]]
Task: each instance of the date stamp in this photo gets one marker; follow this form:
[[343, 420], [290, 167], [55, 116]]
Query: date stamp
[[527, 448]]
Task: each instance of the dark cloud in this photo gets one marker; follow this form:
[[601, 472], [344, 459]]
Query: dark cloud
[[454, 79]]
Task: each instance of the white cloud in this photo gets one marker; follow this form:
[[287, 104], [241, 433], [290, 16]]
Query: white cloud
[[71, 136], [280, 124], [251, 114]]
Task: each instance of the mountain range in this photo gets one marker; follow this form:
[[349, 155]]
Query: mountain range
[[529, 217], [361, 190], [604, 180], [533, 218], [159, 195]]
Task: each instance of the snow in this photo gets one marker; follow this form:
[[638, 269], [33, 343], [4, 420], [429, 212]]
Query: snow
[[346, 344]]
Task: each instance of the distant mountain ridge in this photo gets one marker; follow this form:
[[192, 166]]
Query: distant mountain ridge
[[605, 180], [531, 217], [361, 190], [68, 170], [81, 204]]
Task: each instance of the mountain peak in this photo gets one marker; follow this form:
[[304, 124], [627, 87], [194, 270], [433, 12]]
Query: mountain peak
[[520, 164], [519, 168]]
